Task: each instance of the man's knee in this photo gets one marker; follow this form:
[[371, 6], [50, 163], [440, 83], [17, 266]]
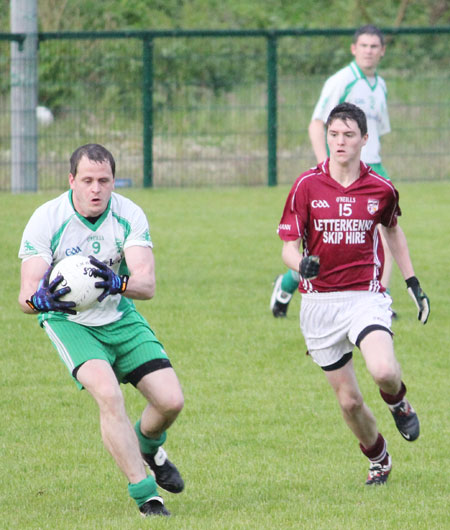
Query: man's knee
[[386, 373], [100, 381], [172, 404], [350, 403]]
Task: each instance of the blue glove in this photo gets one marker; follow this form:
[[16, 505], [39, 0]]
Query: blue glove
[[113, 283], [309, 267], [420, 299], [46, 298]]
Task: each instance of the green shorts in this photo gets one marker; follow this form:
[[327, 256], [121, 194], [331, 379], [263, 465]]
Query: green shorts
[[378, 168], [128, 345]]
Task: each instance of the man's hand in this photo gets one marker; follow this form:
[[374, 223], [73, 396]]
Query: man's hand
[[112, 284], [309, 267], [46, 298], [420, 298]]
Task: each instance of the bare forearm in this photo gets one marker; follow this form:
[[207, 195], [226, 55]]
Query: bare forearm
[[32, 272], [291, 255], [141, 264], [140, 288], [398, 245]]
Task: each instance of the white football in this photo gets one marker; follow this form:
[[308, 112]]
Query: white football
[[78, 274], [44, 115]]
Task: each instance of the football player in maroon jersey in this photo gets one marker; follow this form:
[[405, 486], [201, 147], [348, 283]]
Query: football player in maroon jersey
[[360, 84], [333, 212]]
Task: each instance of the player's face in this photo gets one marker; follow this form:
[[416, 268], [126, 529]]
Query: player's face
[[92, 187], [368, 51], [345, 141]]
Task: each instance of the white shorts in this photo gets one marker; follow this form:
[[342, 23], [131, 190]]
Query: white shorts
[[332, 322]]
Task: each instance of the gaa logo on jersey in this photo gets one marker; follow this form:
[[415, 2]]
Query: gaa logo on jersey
[[320, 204], [372, 206]]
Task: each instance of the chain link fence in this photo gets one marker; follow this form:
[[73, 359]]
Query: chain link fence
[[220, 108]]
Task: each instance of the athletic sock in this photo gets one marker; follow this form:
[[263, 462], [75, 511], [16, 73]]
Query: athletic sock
[[289, 283], [143, 490], [149, 446], [377, 452], [394, 399]]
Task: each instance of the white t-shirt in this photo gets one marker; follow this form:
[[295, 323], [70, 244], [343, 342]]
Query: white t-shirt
[[351, 85], [56, 231]]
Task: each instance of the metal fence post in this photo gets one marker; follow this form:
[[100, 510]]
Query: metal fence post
[[24, 89], [147, 104], [272, 110]]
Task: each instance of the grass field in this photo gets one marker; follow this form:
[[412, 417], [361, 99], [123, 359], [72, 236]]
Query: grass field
[[260, 442]]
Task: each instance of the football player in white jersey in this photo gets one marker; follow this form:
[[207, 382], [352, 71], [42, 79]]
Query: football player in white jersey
[[110, 343], [334, 211], [357, 83]]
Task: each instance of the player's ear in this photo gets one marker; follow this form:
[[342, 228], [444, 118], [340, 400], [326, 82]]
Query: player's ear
[[71, 180]]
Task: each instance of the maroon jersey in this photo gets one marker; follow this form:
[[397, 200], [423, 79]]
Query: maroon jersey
[[339, 225]]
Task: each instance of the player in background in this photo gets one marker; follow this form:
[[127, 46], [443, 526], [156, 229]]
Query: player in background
[[334, 210], [110, 343], [357, 83]]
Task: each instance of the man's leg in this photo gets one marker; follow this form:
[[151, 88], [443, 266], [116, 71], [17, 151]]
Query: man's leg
[[361, 421], [377, 349], [284, 287], [163, 392], [356, 414], [118, 434]]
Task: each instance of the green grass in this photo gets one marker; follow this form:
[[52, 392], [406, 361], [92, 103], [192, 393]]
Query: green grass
[[260, 442]]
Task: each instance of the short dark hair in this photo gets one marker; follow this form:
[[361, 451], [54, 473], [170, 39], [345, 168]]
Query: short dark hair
[[94, 152], [348, 111], [369, 29]]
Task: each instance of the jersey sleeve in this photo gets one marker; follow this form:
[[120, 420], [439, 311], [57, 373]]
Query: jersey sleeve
[[392, 211], [331, 94], [36, 239], [139, 232], [293, 220]]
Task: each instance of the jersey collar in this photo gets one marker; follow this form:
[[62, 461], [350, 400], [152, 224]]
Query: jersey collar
[[359, 74], [324, 168], [97, 223]]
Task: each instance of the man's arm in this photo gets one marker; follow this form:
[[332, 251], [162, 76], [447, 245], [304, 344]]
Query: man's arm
[[308, 267], [316, 132], [291, 254], [396, 240], [32, 271], [398, 246], [141, 265]]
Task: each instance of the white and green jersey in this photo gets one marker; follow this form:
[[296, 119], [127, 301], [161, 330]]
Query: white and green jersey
[[56, 231], [351, 85]]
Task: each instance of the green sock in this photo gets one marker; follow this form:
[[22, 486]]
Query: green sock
[[149, 446], [289, 283], [143, 490]]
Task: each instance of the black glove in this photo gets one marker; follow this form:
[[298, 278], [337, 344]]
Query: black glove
[[309, 267], [113, 283], [46, 298], [420, 298]]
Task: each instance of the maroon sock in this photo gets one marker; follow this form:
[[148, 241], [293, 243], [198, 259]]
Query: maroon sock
[[377, 452], [393, 399]]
